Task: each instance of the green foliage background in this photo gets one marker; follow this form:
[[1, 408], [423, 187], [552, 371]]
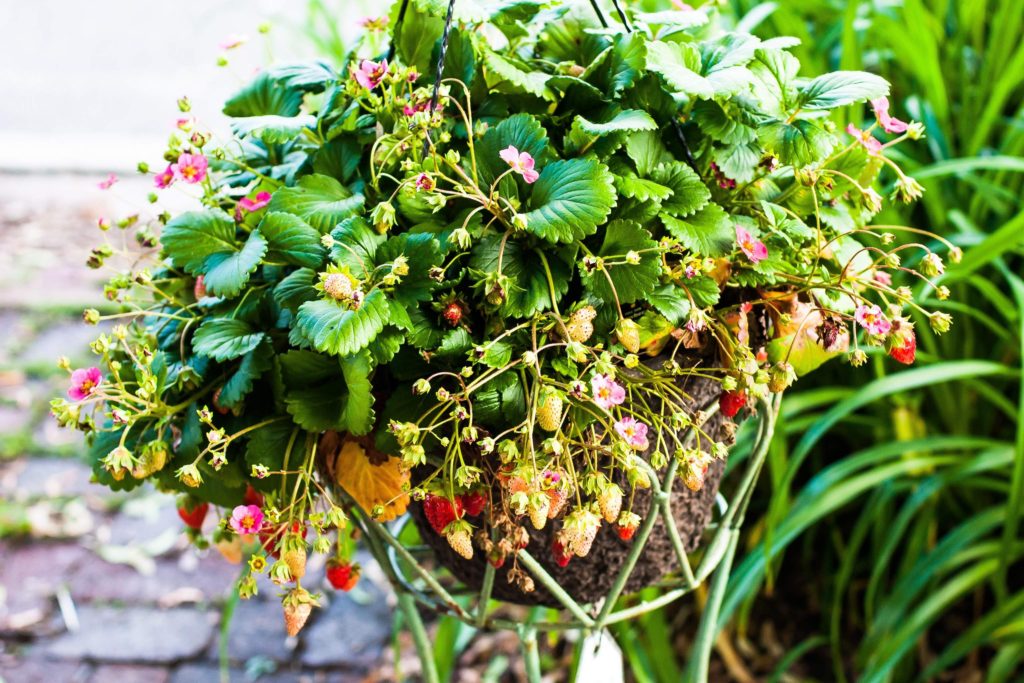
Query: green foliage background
[[896, 495]]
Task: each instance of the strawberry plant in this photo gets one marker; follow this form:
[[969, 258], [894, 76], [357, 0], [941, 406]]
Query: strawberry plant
[[484, 271]]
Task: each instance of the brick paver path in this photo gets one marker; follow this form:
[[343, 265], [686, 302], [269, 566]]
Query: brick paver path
[[102, 587]]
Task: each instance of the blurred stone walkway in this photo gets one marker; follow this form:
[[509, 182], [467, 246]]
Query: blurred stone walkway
[[101, 587]]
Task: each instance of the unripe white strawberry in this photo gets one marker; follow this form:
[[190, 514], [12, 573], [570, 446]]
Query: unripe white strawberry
[[580, 530], [628, 333], [610, 502], [460, 538], [580, 331], [298, 605], [549, 411], [584, 314], [539, 507]]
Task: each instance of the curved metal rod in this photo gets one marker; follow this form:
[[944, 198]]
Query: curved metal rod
[[384, 545]]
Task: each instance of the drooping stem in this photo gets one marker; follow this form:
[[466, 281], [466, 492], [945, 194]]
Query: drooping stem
[[424, 649]]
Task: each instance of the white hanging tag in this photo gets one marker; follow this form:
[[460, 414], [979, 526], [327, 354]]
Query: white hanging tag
[[600, 660]]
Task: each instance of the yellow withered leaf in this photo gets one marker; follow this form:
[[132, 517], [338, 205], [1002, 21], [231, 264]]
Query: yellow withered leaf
[[371, 484]]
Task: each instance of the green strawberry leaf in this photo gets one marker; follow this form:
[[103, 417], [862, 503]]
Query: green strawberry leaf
[[227, 273], [292, 240], [647, 151], [273, 129], [264, 96], [645, 190], [703, 289], [268, 446], [340, 331], [355, 246], [522, 131], [798, 143], [315, 393], [529, 291], [689, 193], [319, 200], [225, 338], [679, 64], [840, 88], [584, 133], [631, 282], [189, 239], [511, 76], [570, 199], [357, 408], [252, 367], [422, 252], [671, 301], [709, 232], [295, 289]]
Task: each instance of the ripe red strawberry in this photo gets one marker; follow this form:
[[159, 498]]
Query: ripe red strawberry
[[217, 404], [905, 354], [441, 512], [562, 556], [342, 576], [453, 313], [473, 503], [730, 402], [200, 288], [193, 512], [252, 496], [628, 523]]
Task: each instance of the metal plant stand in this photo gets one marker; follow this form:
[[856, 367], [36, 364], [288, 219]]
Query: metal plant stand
[[417, 586]]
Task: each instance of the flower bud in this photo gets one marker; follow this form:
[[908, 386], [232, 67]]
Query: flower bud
[[940, 322], [932, 266]]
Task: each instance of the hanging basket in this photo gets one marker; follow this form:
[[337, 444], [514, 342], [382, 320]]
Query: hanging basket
[[588, 579], [587, 602]]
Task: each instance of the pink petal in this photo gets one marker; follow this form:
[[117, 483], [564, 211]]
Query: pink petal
[[509, 155], [530, 176]]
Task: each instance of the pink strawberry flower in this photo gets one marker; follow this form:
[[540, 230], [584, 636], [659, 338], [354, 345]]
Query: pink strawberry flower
[[248, 205], [889, 124], [425, 182], [883, 278], [521, 162], [866, 140], [607, 392], [749, 245], [84, 383], [234, 41], [107, 182], [374, 23], [370, 73], [246, 519], [633, 432], [191, 168], [165, 179], [872, 319]]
